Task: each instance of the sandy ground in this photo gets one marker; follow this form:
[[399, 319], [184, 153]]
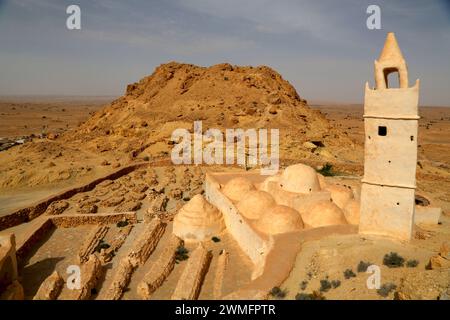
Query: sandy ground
[[21, 116]]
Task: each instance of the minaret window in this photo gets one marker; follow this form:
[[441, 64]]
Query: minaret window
[[382, 131], [392, 78]]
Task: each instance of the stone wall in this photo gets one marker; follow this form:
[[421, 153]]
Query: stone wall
[[91, 243], [160, 270], [191, 280]]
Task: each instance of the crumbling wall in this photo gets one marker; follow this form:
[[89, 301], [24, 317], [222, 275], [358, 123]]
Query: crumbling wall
[[107, 254], [191, 280], [31, 212], [91, 273], [138, 255], [32, 236], [147, 242], [50, 288], [222, 262], [75, 220], [160, 270], [121, 280], [91, 243]]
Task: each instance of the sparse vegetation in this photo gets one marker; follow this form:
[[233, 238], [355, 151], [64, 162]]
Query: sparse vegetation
[[278, 293], [393, 260], [303, 284], [325, 285], [386, 288], [215, 239], [327, 170], [309, 296], [362, 266], [102, 245], [181, 254], [349, 274], [412, 263], [335, 283], [122, 224]]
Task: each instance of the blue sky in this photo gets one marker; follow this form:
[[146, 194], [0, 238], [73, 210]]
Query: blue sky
[[322, 47]]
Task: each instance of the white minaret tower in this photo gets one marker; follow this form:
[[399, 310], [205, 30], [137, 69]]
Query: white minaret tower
[[390, 155]]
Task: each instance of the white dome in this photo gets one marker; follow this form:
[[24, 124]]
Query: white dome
[[255, 203], [324, 213], [237, 187], [279, 219], [299, 178]]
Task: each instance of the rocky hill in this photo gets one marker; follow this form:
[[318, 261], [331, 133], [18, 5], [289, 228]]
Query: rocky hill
[[138, 125]]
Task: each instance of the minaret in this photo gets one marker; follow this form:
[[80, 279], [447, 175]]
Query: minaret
[[390, 154]]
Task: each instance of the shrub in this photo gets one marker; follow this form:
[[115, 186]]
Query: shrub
[[412, 263], [101, 245], [327, 170], [122, 223], [278, 293], [335, 283], [303, 284], [325, 285], [386, 288], [393, 260], [309, 296], [215, 239], [349, 274], [146, 158], [181, 254], [362, 266]]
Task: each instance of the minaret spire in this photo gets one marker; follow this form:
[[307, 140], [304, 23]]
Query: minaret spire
[[391, 51]]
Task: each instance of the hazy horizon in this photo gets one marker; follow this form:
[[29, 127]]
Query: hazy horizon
[[323, 48]]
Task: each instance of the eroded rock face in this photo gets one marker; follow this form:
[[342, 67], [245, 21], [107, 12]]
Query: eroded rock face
[[236, 188], [279, 219], [198, 220], [255, 203]]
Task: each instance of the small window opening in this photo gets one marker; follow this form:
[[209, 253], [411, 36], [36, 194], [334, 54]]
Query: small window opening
[[392, 78], [398, 203], [382, 131], [412, 138]]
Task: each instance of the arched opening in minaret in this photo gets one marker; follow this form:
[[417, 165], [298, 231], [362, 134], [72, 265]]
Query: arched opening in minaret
[[392, 78]]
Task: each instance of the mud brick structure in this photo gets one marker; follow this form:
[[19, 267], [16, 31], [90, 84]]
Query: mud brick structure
[[50, 288]]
